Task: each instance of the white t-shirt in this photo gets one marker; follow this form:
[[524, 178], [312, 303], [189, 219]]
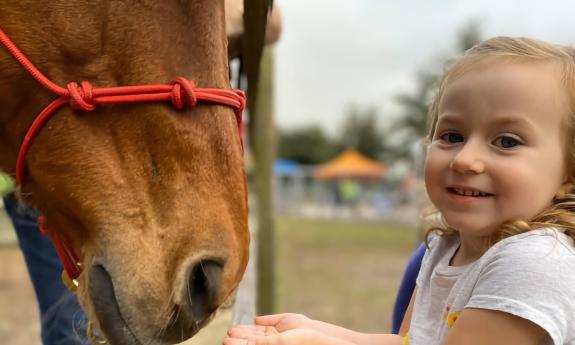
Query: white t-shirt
[[530, 275]]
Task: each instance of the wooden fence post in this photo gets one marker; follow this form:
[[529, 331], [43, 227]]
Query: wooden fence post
[[264, 151]]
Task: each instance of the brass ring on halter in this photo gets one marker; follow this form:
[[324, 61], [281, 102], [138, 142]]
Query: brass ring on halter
[[69, 283], [90, 333]]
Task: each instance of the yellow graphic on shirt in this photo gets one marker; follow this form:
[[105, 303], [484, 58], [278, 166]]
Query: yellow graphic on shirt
[[450, 318]]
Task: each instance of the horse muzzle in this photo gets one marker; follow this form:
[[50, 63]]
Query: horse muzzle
[[198, 299]]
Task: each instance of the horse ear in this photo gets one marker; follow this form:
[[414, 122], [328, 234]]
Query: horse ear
[[255, 20]]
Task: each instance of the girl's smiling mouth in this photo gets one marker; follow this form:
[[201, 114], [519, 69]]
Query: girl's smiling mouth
[[467, 192]]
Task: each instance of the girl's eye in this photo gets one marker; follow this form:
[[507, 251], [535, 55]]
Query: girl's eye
[[452, 137], [506, 142]]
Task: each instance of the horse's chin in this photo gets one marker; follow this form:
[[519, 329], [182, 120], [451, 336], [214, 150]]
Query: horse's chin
[[121, 334]]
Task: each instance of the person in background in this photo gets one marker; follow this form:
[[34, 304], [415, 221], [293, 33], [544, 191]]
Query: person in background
[[62, 320]]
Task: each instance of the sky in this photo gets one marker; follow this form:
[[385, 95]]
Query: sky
[[334, 53]]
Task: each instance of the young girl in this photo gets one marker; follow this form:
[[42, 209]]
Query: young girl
[[499, 171]]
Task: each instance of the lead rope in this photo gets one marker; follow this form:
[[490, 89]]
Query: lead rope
[[181, 92]]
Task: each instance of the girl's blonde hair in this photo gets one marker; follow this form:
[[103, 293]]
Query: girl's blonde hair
[[562, 212]]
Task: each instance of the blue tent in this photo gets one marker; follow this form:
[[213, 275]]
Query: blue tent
[[286, 167]]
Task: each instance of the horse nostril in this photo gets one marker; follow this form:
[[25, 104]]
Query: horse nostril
[[202, 288], [198, 301]]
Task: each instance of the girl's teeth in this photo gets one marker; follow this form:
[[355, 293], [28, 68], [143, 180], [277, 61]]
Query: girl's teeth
[[469, 192]]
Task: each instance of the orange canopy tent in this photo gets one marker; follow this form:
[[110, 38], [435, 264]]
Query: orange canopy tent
[[350, 164]]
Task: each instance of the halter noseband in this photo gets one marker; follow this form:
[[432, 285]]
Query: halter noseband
[[181, 92]]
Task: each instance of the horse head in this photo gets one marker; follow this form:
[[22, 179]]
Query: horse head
[[152, 199]]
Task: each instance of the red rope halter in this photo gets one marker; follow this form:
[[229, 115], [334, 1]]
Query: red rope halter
[[180, 92]]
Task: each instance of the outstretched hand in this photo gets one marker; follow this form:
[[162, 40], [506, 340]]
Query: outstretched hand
[[297, 329], [262, 335], [273, 329], [284, 322]]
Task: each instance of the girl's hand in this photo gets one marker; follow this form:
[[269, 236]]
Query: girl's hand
[[251, 331], [271, 324], [259, 336], [284, 322], [266, 326]]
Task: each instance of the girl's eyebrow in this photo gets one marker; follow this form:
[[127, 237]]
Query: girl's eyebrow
[[450, 119], [517, 119], [514, 120]]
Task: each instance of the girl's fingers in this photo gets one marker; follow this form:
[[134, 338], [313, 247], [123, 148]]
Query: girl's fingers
[[259, 340], [250, 327], [245, 334], [269, 320], [247, 331], [235, 341]]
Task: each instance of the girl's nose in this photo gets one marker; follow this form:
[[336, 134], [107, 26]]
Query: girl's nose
[[468, 160]]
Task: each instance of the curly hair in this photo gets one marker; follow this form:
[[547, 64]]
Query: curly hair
[[561, 213]]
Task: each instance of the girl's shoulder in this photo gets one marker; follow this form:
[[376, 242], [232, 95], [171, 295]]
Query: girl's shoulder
[[535, 242], [533, 251], [530, 275], [545, 252]]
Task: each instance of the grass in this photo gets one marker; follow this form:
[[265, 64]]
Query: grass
[[341, 272], [6, 184]]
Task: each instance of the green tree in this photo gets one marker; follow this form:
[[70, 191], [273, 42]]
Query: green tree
[[360, 130], [415, 106], [469, 35], [413, 120], [306, 145], [6, 184]]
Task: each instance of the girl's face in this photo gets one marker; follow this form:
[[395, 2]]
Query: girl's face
[[498, 151]]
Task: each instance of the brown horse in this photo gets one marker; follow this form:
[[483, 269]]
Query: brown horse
[[152, 199]]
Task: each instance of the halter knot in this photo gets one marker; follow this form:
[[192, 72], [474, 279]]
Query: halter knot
[[242, 99], [183, 93], [81, 97]]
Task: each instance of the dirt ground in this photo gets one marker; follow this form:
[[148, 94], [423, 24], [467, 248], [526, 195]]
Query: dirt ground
[[19, 321]]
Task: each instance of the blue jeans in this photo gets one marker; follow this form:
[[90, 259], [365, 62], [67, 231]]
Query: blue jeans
[[63, 321]]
